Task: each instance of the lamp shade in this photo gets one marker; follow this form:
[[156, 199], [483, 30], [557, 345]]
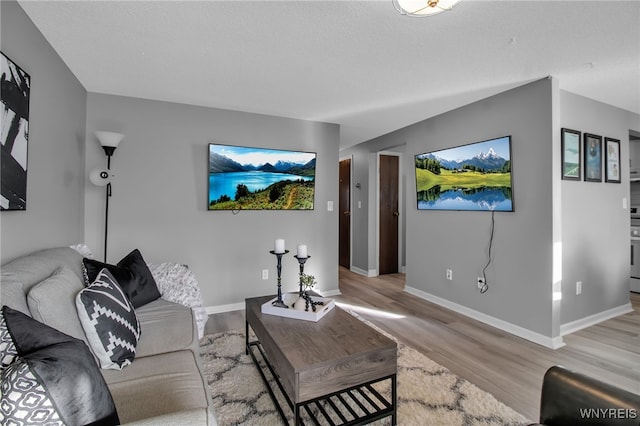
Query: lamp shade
[[100, 177], [110, 139], [422, 8]]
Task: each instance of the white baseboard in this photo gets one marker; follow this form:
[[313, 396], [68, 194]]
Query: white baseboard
[[224, 308], [549, 342], [573, 326], [369, 274], [210, 310], [329, 293]]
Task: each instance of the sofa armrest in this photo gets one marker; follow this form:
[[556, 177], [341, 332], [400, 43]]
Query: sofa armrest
[[570, 398]]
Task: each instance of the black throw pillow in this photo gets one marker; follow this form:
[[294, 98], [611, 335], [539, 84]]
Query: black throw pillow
[[36, 386], [131, 273]]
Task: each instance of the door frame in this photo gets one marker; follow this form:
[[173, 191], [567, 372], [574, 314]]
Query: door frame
[[400, 208], [348, 157]]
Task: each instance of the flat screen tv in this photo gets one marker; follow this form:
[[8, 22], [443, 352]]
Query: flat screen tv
[[476, 176], [245, 178]]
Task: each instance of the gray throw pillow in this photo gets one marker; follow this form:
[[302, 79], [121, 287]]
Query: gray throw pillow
[[53, 302]]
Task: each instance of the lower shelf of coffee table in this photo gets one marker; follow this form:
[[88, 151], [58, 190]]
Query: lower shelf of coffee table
[[357, 405]]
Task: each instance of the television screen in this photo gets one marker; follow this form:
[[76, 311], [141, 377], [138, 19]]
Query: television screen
[[244, 178], [476, 176]]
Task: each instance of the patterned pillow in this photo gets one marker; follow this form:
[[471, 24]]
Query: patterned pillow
[[24, 400], [8, 351], [109, 321], [35, 386]]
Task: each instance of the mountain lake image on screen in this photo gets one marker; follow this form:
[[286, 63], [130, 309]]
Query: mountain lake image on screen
[[246, 178], [475, 176]]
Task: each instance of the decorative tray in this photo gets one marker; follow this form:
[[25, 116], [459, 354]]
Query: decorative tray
[[289, 299]]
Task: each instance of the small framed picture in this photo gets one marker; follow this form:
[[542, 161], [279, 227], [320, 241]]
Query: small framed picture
[[592, 158], [571, 154], [612, 160]]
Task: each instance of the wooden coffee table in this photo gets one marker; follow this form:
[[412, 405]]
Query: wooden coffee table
[[327, 371]]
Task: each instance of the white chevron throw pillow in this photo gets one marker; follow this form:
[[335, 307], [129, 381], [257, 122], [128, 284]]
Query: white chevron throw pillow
[[109, 322]]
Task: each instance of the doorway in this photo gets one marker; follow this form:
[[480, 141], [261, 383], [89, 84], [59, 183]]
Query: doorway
[[388, 213], [344, 209]]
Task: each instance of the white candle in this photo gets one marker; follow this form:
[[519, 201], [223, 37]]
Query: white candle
[[302, 251], [279, 246]]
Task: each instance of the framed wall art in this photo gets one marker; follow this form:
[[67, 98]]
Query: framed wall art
[[592, 158], [612, 160], [16, 85], [571, 159]]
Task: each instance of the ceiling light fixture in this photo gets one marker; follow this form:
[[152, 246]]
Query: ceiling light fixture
[[422, 8]]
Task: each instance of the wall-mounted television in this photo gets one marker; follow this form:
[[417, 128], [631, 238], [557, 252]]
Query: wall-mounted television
[[476, 176], [246, 178]]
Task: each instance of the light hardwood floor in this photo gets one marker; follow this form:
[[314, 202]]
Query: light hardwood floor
[[509, 367]]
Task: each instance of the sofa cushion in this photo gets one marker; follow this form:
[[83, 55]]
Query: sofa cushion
[[35, 387], [35, 267], [109, 321], [133, 275], [157, 385], [166, 327], [52, 302], [12, 292]]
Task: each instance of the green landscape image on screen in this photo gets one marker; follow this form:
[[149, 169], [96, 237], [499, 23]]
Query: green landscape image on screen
[[476, 176]]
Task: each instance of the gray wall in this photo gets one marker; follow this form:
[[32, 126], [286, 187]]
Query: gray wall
[[520, 275], [364, 219], [159, 196], [55, 164], [595, 226], [587, 220]]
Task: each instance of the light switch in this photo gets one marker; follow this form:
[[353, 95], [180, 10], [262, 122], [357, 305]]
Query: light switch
[[329, 206]]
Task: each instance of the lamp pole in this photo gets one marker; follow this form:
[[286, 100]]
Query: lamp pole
[[106, 208], [109, 141]]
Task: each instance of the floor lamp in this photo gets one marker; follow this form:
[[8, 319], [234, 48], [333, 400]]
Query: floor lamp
[[100, 177]]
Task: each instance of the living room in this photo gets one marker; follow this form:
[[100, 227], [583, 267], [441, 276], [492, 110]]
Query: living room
[[576, 229]]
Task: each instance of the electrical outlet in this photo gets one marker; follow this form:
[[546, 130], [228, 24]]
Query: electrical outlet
[[449, 274], [265, 274], [480, 282], [578, 287]]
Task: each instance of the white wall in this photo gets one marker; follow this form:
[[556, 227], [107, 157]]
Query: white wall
[[55, 163], [159, 202]]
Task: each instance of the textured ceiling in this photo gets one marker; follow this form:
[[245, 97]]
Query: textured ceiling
[[359, 64]]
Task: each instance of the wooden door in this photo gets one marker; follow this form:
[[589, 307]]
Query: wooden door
[[389, 214], [344, 211]]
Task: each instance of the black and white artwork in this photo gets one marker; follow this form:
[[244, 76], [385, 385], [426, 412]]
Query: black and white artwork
[[15, 90]]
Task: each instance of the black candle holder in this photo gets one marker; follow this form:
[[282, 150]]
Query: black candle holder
[[301, 261], [309, 303], [279, 302]]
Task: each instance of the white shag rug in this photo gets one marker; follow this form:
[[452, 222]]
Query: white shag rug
[[428, 393]]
